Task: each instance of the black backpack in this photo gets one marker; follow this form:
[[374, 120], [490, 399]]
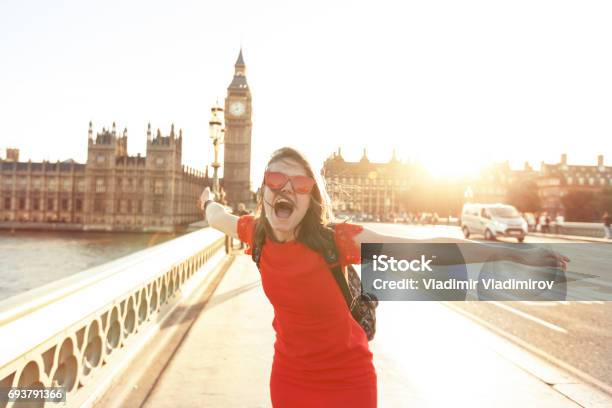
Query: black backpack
[[361, 304]]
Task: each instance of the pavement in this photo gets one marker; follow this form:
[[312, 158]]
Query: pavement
[[426, 355]]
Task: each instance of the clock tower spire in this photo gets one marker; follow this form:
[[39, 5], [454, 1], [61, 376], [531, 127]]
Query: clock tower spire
[[239, 81], [239, 67], [238, 124]]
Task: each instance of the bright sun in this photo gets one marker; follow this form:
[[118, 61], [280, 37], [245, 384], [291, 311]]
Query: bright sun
[[449, 163]]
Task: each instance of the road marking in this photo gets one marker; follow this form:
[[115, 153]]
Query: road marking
[[544, 303], [530, 317], [600, 282]]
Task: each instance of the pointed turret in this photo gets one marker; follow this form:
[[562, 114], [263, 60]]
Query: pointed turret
[[393, 157], [149, 132], [338, 155], [90, 132], [364, 158], [240, 60]]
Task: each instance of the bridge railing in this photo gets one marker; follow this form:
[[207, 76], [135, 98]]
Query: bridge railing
[[76, 332]]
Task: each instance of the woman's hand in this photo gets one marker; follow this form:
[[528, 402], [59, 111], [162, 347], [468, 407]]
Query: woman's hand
[[205, 196], [217, 215], [545, 257]]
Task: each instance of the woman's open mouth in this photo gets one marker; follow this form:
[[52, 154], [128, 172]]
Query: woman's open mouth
[[283, 208]]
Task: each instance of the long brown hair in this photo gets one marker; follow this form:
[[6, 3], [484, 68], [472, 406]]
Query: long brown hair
[[312, 230]]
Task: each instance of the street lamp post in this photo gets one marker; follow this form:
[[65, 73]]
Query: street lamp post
[[468, 195], [216, 131]]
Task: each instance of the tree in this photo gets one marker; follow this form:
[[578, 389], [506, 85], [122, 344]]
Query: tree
[[580, 206], [604, 201], [524, 196]]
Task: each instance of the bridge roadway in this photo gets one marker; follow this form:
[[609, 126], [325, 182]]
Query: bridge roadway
[[576, 333], [426, 355]]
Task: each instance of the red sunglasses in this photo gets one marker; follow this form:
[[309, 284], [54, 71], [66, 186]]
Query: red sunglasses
[[276, 180]]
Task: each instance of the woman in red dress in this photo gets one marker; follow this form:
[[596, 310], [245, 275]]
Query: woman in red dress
[[321, 354]]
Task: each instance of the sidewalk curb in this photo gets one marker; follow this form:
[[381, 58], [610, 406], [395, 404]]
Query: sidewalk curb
[[571, 237], [572, 383]]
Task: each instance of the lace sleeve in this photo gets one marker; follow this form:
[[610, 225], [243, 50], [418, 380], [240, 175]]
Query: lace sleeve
[[349, 251]]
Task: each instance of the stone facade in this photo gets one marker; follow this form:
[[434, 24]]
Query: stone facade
[[365, 187], [379, 189], [112, 191], [553, 181], [494, 181], [557, 180]]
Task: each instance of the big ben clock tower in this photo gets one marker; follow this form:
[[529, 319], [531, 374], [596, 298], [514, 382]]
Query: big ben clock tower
[[237, 154]]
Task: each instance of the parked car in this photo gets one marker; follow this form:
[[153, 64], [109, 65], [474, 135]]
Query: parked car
[[492, 221]]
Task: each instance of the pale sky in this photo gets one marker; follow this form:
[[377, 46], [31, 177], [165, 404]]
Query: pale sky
[[452, 84]]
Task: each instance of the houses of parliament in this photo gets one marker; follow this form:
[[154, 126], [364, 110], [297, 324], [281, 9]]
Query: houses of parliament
[[114, 191]]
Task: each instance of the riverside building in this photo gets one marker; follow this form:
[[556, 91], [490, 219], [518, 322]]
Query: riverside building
[[112, 191]]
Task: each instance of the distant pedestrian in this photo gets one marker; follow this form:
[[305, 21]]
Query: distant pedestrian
[[559, 222], [607, 222], [531, 222], [240, 211], [542, 222], [547, 223]]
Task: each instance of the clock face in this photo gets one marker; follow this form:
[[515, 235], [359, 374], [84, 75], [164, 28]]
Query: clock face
[[237, 108]]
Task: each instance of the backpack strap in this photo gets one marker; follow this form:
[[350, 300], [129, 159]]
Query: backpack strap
[[331, 258]]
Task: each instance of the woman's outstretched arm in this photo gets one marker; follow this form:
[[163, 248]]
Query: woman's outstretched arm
[[217, 215], [475, 252]]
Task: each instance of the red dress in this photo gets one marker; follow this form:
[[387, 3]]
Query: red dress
[[321, 354]]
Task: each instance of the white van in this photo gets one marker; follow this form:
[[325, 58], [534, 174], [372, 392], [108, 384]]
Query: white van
[[493, 220]]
